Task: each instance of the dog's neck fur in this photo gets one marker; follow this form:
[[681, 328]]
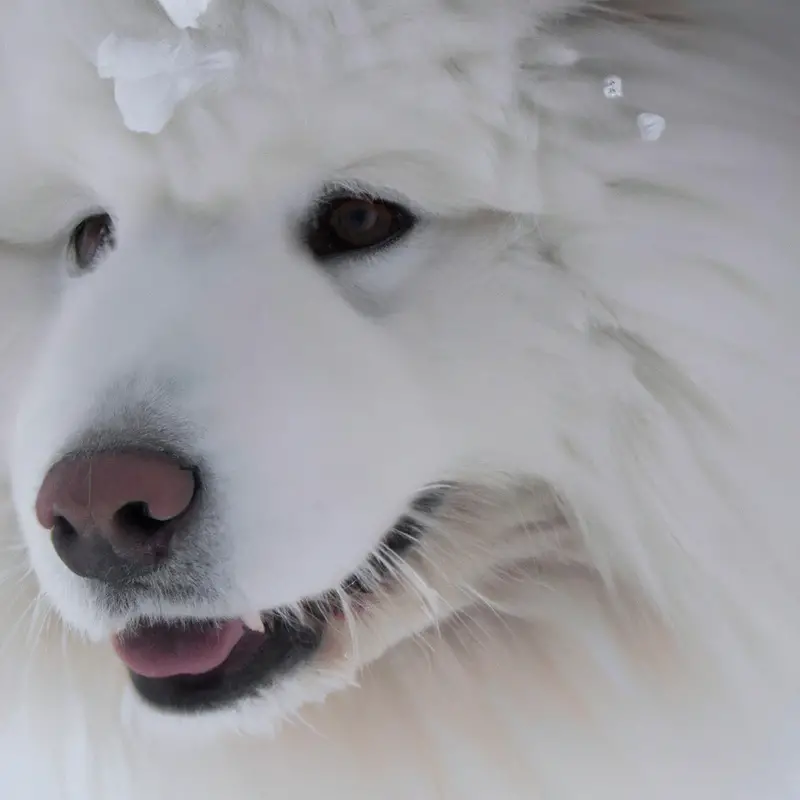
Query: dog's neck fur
[[488, 706]]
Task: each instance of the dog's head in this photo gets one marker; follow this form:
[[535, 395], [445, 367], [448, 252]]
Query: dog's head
[[328, 360]]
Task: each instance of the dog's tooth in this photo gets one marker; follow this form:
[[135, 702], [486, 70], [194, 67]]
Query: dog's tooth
[[253, 621]]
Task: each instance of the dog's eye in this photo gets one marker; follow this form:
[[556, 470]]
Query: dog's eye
[[90, 240], [354, 225]]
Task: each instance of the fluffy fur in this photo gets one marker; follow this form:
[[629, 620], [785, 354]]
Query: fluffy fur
[[593, 337]]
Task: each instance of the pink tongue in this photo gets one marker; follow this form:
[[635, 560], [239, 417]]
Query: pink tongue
[[162, 651]]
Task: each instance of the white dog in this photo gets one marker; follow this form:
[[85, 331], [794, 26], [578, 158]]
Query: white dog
[[400, 399]]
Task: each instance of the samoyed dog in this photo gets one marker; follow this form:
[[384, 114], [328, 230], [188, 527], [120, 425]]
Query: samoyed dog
[[400, 400]]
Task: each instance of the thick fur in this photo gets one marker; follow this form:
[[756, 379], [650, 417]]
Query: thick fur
[[592, 337]]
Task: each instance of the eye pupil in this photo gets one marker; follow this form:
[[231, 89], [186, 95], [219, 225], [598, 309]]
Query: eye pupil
[[355, 225], [91, 239], [355, 216]]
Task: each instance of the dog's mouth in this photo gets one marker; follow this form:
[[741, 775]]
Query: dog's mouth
[[200, 665], [193, 665]]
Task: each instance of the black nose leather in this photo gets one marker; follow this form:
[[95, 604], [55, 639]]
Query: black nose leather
[[113, 515]]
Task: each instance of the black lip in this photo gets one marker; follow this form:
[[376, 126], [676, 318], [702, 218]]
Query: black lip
[[255, 663]]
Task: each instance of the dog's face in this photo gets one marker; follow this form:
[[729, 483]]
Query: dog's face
[[304, 373], [306, 318]]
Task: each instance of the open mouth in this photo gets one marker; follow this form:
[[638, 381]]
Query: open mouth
[[199, 665]]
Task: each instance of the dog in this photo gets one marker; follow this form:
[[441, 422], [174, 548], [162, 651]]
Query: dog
[[399, 400]]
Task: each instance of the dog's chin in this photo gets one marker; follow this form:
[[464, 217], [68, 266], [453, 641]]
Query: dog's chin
[[269, 677], [265, 711], [193, 666], [274, 677]]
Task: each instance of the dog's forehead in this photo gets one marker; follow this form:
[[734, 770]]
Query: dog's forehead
[[288, 90], [279, 45], [284, 47]]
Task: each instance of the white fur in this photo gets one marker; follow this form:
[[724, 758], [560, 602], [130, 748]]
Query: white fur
[[596, 336], [185, 13]]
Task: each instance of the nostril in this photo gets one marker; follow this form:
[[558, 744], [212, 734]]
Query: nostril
[[136, 517], [63, 532], [65, 538]]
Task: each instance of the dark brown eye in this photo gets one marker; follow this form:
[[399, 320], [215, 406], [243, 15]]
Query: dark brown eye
[[355, 225], [92, 239]]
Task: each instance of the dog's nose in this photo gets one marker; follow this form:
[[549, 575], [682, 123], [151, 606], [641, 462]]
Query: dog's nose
[[113, 515]]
